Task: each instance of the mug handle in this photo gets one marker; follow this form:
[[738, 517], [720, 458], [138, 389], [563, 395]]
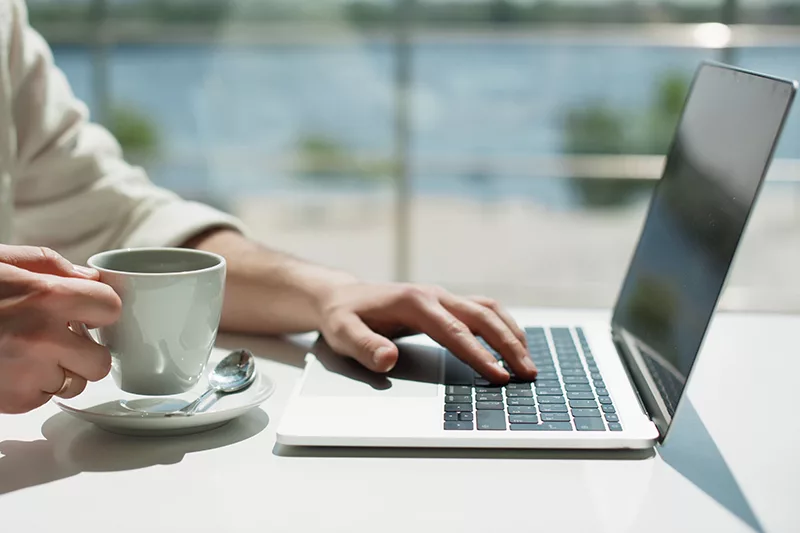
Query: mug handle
[[80, 329]]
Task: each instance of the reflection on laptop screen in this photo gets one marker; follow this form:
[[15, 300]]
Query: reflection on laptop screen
[[699, 209]]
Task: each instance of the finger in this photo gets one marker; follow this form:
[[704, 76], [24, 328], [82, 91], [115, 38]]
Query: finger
[[81, 300], [43, 260], [79, 355], [71, 385], [497, 334], [20, 405], [504, 316], [453, 334], [351, 337]]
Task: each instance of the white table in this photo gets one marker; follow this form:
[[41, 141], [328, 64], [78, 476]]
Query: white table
[[59, 474]]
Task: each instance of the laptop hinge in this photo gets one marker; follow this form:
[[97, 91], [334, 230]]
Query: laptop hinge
[[625, 357]]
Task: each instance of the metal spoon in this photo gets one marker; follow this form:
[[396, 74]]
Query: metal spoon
[[234, 373]]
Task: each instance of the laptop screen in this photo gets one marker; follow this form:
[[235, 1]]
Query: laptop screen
[[722, 148]]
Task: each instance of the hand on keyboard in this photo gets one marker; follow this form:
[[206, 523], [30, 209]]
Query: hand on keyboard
[[358, 319]]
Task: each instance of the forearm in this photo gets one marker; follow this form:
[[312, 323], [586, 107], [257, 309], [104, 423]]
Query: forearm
[[268, 292]]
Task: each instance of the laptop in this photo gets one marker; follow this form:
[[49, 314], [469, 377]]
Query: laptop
[[602, 385]]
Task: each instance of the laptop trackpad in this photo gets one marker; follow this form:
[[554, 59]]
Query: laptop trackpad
[[418, 373]]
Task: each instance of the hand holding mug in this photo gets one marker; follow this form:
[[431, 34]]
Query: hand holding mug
[[40, 292]]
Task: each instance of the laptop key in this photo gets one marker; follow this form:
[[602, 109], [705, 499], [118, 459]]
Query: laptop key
[[481, 382], [494, 406], [523, 419], [583, 404], [457, 407], [549, 392], [523, 386], [489, 397], [544, 426], [519, 393], [605, 400], [491, 420], [596, 375], [585, 412], [614, 426], [578, 387], [488, 390], [534, 330], [572, 371], [458, 399], [609, 409], [458, 425], [545, 375], [589, 424], [572, 395], [547, 384], [465, 417], [461, 390], [521, 410], [553, 408], [449, 417], [602, 392], [612, 418], [555, 417], [576, 379], [600, 384], [520, 401], [551, 400]]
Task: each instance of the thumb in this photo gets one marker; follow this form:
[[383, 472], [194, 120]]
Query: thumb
[[354, 339]]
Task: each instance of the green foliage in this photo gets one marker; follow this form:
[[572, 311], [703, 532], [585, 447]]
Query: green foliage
[[322, 157], [598, 129], [135, 131], [595, 129]]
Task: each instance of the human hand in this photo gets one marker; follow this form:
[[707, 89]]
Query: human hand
[[359, 318], [40, 292]]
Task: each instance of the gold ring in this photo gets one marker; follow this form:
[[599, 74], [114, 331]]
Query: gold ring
[[65, 385]]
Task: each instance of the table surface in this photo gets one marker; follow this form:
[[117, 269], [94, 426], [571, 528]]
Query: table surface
[[58, 473]]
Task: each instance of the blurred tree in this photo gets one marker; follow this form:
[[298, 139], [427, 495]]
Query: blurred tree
[[503, 12], [136, 133], [597, 129], [322, 157], [664, 114]]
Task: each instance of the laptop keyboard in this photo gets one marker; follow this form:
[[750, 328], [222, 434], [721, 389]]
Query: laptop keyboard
[[569, 393], [668, 385]]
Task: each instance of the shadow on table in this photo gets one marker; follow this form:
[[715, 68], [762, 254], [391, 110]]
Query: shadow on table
[[72, 446], [289, 350], [692, 452]]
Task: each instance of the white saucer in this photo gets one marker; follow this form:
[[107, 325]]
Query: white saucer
[[99, 404]]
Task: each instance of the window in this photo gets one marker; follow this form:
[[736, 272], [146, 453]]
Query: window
[[497, 146]]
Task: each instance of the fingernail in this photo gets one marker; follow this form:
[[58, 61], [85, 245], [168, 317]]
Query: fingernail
[[85, 271], [529, 365], [379, 355]]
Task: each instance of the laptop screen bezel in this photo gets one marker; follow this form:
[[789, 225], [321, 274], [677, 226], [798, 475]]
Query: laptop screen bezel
[[631, 349]]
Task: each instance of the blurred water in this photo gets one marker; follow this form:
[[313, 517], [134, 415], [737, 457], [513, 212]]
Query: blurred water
[[478, 102]]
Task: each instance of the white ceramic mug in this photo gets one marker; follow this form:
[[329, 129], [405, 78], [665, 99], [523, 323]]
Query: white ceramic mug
[[171, 308]]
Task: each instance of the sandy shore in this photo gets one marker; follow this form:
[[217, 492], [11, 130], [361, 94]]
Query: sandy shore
[[519, 252]]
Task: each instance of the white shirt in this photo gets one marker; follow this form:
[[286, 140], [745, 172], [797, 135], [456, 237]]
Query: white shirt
[[63, 181]]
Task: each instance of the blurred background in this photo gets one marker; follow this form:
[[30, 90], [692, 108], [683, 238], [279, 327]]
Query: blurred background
[[502, 147]]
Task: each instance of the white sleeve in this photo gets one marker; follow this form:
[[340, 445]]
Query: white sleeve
[[73, 191]]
